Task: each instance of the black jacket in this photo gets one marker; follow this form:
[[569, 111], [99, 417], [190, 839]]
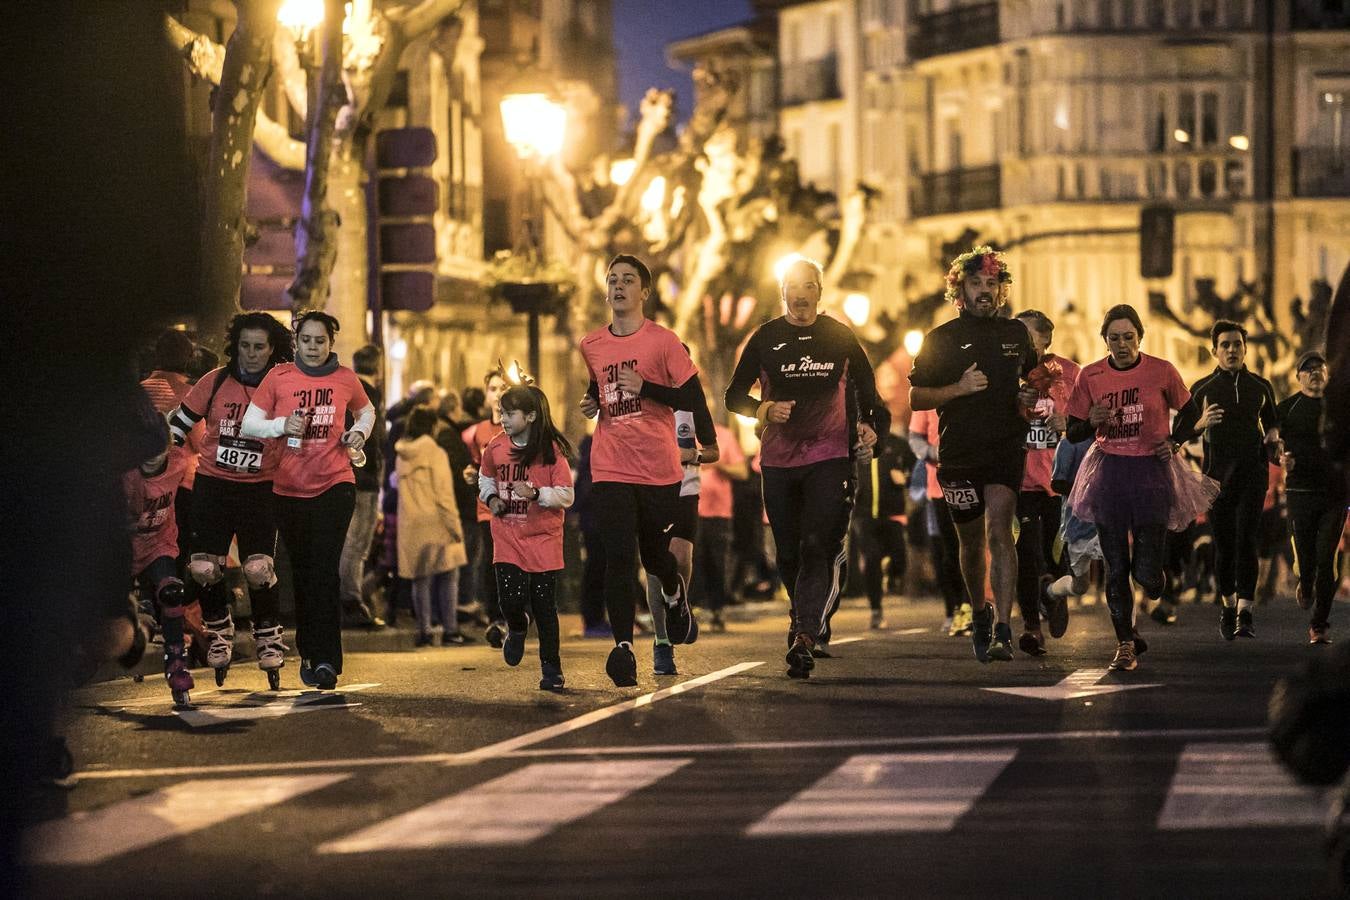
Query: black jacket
[[1300, 418], [1238, 442]]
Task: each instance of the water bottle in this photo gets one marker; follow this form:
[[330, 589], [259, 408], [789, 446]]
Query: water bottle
[[292, 441], [357, 455]]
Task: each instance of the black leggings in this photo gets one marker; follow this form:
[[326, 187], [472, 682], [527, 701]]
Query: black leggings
[[945, 546], [623, 511], [1316, 521], [809, 508], [1143, 560], [314, 529], [712, 556], [222, 510], [875, 540], [530, 595], [1236, 517], [484, 582], [1038, 523]]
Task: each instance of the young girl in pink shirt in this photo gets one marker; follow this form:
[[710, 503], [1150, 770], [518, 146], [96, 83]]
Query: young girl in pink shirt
[[526, 483]]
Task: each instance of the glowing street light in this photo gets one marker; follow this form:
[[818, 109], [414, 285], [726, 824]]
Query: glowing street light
[[781, 266], [913, 341], [301, 16], [654, 196], [1182, 135], [1239, 142], [857, 307], [535, 125]]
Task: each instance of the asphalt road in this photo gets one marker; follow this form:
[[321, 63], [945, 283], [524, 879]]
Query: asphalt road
[[893, 771]]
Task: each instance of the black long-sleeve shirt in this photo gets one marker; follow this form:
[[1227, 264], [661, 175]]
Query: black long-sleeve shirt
[[1237, 442], [1300, 418], [825, 370]]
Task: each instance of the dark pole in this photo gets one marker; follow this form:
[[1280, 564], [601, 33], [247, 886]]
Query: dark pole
[[1268, 277], [534, 342]]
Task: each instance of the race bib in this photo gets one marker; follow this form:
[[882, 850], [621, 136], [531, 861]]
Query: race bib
[[242, 455], [1041, 437], [961, 495]]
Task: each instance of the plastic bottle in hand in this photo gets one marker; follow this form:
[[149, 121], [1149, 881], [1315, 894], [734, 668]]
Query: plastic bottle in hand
[[293, 442], [357, 455]]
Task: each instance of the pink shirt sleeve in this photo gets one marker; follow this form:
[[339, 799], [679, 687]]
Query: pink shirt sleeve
[[265, 397], [678, 364], [1080, 401], [1175, 390], [356, 394]]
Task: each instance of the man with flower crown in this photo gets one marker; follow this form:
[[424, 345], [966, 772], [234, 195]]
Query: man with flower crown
[[972, 371]]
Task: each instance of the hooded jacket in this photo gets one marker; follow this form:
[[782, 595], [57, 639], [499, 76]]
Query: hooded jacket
[[430, 537]]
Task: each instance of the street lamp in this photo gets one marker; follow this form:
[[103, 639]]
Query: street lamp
[[535, 127], [913, 341], [857, 307]]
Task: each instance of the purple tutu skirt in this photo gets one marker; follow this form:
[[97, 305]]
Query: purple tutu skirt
[[1121, 492]]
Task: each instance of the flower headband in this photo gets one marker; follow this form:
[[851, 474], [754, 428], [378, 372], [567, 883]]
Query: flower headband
[[982, 260]]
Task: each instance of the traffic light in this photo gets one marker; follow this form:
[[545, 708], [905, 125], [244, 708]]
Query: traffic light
[[406, 199], [1157, 241]]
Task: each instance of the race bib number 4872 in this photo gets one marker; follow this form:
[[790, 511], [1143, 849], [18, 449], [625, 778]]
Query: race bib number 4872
[[240, 455]]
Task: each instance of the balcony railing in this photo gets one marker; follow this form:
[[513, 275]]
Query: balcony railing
[[961, 28], [1322, 171], [960, 190], [807, 82]]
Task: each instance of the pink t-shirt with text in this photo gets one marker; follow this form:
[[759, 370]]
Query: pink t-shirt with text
[[714, 499], [1141, 399], [527, 535], [925, 422], [1041, 438], [150, 504], [320, 462]]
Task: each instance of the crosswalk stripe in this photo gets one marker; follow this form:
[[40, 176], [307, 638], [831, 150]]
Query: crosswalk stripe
[[514, 809], [887, 792], [84, 838], [1237, 786]]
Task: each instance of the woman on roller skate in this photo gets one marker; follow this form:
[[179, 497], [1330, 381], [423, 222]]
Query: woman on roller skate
[[233, 498]]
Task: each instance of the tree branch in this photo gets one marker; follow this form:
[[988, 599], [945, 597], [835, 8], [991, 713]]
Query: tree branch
[[286, 64]]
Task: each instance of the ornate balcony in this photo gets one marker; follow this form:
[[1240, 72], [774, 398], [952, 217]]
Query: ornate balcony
[[962, 28], [960, 190]]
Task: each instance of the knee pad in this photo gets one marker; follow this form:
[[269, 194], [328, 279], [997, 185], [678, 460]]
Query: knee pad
[[259, 571], [172, 595], [205, 569]]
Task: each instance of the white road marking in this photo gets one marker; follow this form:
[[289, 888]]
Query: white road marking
[[908, 631], [1238, 786], [891, 792], [1082, 683], [501, 748], [231, 697], [937, 740], [84, 838], [514, 809], [839, 641]]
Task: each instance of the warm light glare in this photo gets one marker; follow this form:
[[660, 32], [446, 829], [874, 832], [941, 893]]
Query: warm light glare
[[747, 421], [1182, 136], [857, 307], [1239, 142], [399, 349], [301, 15], [513, 372], [785, 262], [534, 124], [654, 197], [621, 170], [913, 341]]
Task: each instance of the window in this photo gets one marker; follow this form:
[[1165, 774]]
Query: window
[[1234, 178], [1209, 13], [1182, 10], [1209, 176], [1158, 138], [1126, 13], [1209, 119], [1185, 132], [1183, 179], [1331, 128], [1157, 14], [1237, 111], [1235, 14]]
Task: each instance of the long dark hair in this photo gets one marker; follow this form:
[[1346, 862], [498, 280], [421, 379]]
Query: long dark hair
[[546, 441], [278, 335]]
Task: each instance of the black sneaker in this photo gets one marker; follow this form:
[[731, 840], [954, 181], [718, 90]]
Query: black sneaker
[[1163, 613], [1140, 645], [800, 662], [679, 617], [325, 677], [1056, 609], [495, 634], [513, 647], [551, 677], [1244, 624], [982, 631], [621, 667], [822, 651], [1032, 642], [1000, 648], [1228, 622]]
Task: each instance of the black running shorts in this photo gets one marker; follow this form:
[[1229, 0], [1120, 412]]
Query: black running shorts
[[963, 488]]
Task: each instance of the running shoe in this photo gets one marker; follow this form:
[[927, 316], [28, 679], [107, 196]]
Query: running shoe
[[495, 634], [821, 650], [513, 647], [621, 667], [1000, 648], [1124, 660], [1032, 642], [1056, 610], [1318, 635], [1302, 597], [663, 660], [596, 631], [716, 624], [878, 621], [1140, 645], [1244, 624], [323, 676], [551, 678], [982, 631], [962, 622], [1228, 622], [679, 617], [423, 639], [1163, 613], [947, 625], [455, 639], [800, 662]]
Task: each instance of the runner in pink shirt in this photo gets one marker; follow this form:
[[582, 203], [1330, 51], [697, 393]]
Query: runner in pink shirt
[[526, 484], [1131, 484]]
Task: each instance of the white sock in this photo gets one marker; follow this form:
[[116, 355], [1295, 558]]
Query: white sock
[[1061, 587], [1245, 605], [1230, 601]]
